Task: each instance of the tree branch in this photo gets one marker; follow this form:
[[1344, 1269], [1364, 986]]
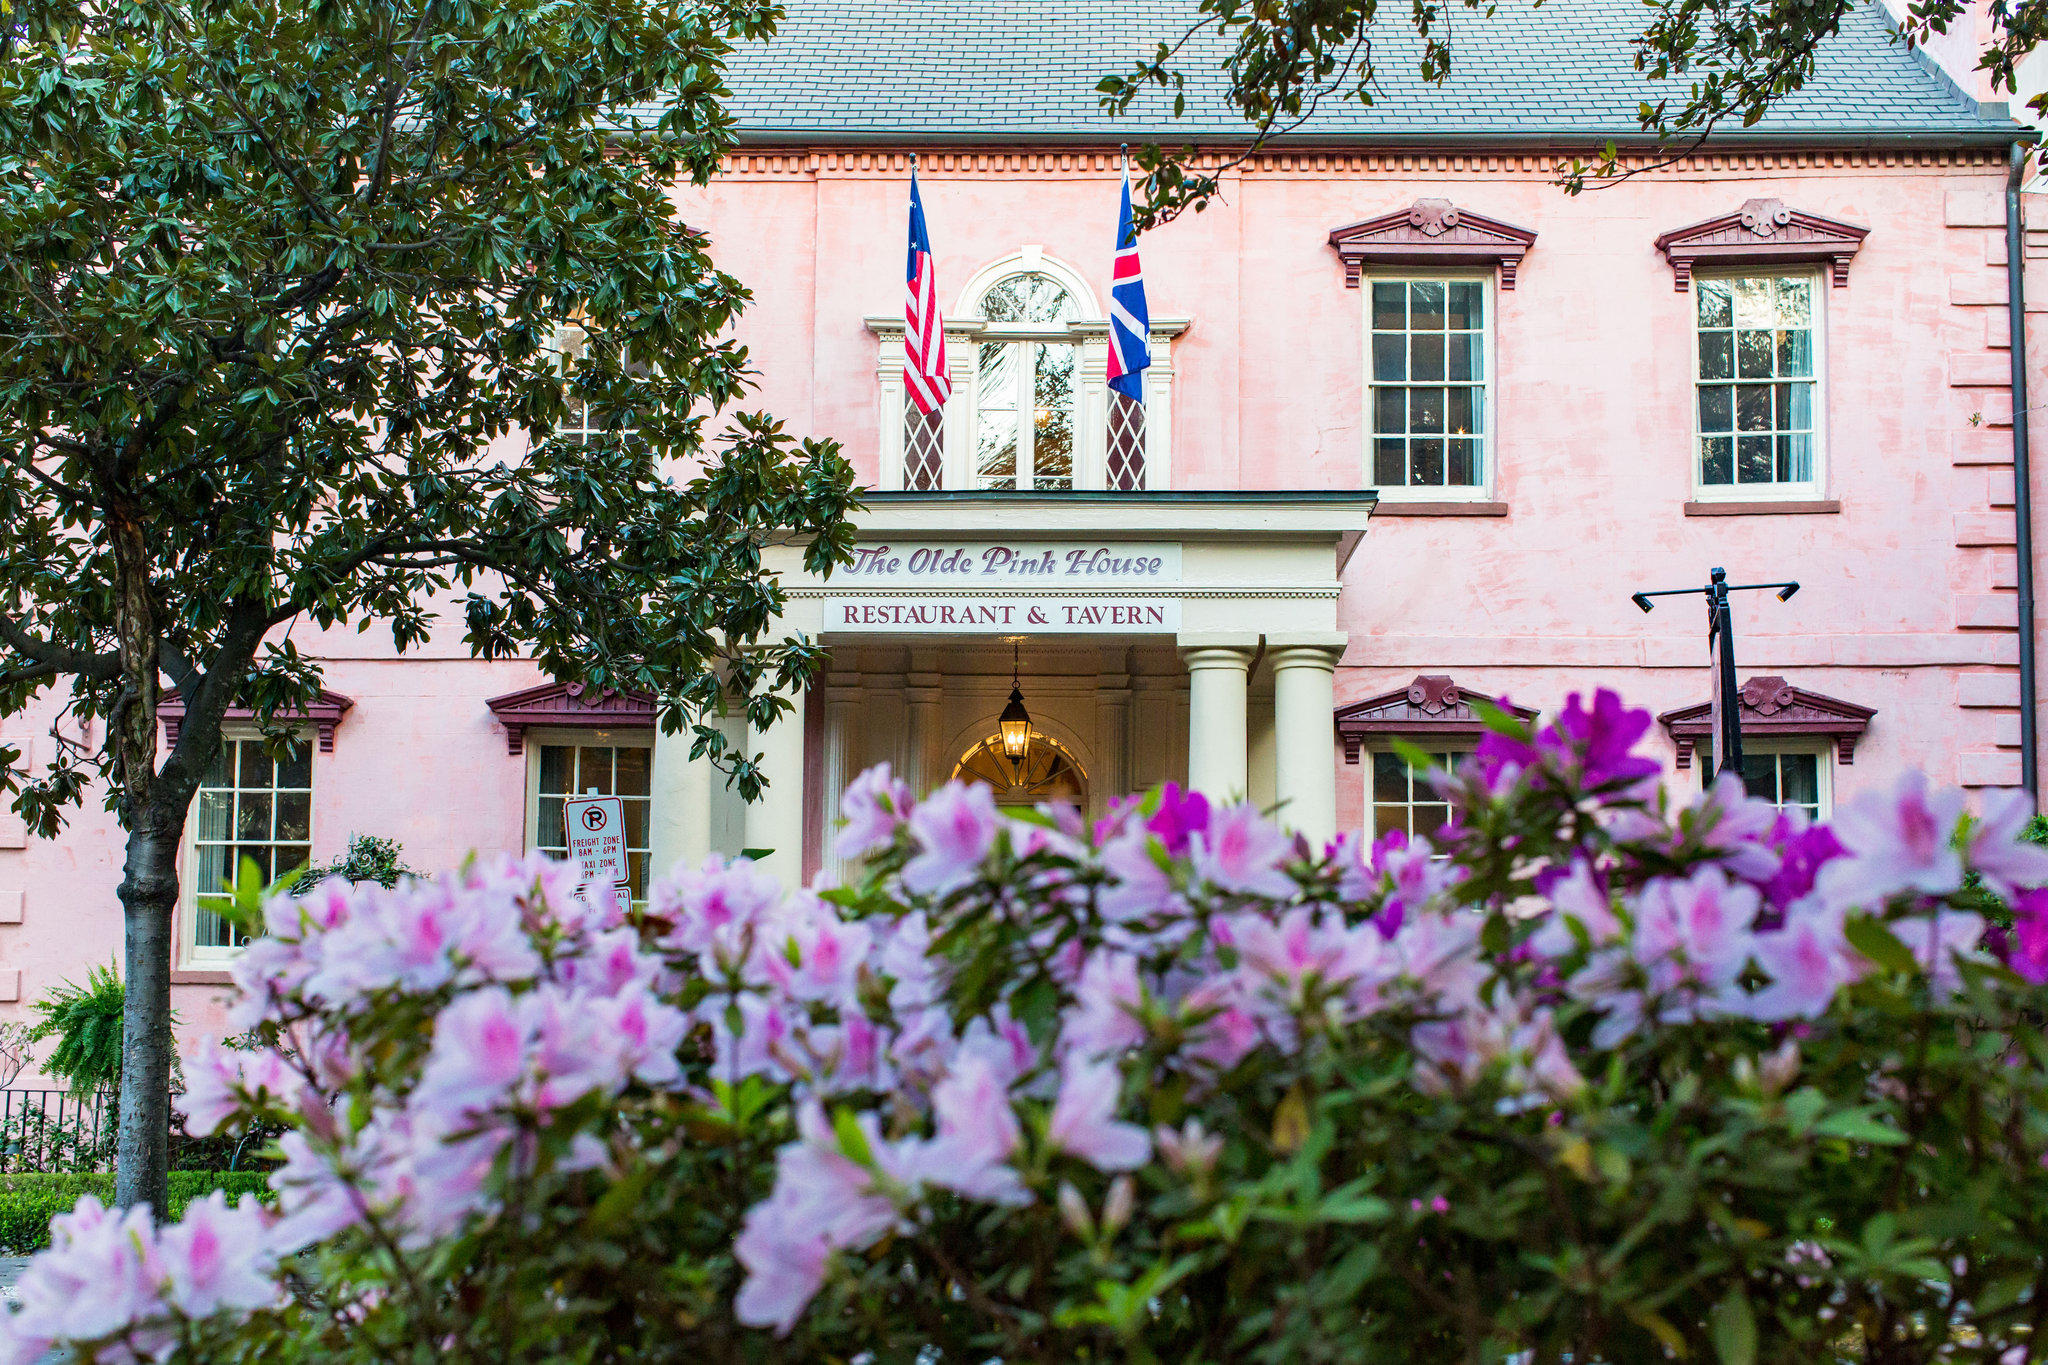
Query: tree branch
[[58, 658]]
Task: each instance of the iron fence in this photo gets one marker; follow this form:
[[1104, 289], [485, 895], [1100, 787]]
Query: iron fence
[[55, 1130]]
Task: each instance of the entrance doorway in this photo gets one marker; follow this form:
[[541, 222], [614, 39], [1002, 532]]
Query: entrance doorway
[[1047, 772]]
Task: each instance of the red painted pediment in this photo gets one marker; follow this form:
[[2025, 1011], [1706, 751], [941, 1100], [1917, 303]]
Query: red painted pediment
[[568, 704], [1432, 232], [1774, 709], [323, 715], [1762, 232], [1431, 707]]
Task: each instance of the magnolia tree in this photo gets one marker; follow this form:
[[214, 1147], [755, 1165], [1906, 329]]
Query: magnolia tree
[[1584, 1078]]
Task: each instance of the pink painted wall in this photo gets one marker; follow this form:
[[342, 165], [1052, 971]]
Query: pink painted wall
[[1908, 603]]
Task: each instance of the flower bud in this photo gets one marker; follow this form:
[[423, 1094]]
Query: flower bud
[[1117, 1208], [1780, 1067], [1074, 1212]]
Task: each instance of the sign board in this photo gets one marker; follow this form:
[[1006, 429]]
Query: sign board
[[597, 837], [1030, 564], [1049, 613]]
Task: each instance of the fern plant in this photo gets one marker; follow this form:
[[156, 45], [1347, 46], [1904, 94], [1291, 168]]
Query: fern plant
[[86, 1022], [370, 858]]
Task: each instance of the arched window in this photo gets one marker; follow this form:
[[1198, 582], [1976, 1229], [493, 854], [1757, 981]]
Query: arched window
[[1026, 364], [1031, 410], [1047, 772]]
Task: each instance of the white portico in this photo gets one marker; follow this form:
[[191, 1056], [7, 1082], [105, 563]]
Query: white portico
[[1184, 636]]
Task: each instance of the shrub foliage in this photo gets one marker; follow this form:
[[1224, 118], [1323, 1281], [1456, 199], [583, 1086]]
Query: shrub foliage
[[1590, 1077]]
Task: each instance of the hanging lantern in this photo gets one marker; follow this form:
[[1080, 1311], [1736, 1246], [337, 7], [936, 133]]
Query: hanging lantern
[[1015, 722]]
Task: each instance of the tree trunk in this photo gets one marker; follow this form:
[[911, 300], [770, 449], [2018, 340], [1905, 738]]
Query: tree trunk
[[149, 895], [149, 886]]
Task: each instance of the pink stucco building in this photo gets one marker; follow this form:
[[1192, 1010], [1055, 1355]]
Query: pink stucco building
[[1418, 423]]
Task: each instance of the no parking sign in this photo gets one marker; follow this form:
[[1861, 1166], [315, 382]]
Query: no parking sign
[[597, 837]]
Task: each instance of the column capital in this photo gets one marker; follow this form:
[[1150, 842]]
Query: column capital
[[1217, 639], [1321, 657]]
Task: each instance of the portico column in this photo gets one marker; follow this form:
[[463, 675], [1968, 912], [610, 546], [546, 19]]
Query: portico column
[[679, 816], [775, 821], [1218, 669], [1304, 699]]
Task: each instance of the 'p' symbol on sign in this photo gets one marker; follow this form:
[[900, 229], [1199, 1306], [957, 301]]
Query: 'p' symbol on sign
[[596, 829]]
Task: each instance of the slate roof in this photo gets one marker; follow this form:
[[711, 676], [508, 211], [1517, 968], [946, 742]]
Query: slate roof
[[1008, 71]]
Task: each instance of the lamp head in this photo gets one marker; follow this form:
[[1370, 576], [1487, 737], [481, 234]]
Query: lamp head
[[1015, 727], [1785, 593], [1640, 600]]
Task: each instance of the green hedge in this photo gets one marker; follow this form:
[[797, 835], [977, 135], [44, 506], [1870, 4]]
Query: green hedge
[[28, 1202]]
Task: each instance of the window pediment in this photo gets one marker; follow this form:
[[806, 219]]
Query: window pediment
[[1762, 232], [1773, 708], [1431, 232], [323, 715], [569, 704], [1431, 708]]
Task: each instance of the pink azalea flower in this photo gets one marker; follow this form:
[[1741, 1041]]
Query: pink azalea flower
[[1084, 1121], [1303, 947], [785, 1264], [1241, 851], [978, 1133], [712, 909], [1103, 1020], [219, 1258], [479, 1052], [1697, 929], [2007, 862], [1896, 841], [1738, 827], [1140, 887], [956, 829], [1577, 898], [1938, 939], [1808, 962], [101, 1275], [874, 805]]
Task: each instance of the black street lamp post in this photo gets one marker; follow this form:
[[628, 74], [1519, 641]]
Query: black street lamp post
[[1727, 712]]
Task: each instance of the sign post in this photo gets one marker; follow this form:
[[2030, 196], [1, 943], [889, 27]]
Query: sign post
[[597, 838]]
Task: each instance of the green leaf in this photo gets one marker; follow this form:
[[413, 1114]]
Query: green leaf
[[1857, 1125], [1733, 1324], [1871, 938], [853, 1143]]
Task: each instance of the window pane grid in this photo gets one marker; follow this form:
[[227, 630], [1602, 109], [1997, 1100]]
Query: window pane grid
[[1786, 780], [1403, 799], [1428, 383], [569, 770], [1756, 380], [250, 806]]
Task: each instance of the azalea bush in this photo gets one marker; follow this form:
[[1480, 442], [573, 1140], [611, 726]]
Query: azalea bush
[[1588, 1076]]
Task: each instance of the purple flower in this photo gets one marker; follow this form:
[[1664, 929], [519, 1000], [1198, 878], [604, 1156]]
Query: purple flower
[[1801, 860], [1895, 841], [2029, 942], [1600, 743], [1241, 851], [955, 828], [2007, 862], [1808, 962], [1084, 1121], [874, 804], [1180, 817]]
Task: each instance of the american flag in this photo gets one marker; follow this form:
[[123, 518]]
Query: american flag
[[1130, 325], [924, 335]]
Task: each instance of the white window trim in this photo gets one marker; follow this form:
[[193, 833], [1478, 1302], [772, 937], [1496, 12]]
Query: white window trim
[[1812, 490], [1090, 334], [1463, 748], [190, 955], [588, 737], [1481, 491], [1822, 748]]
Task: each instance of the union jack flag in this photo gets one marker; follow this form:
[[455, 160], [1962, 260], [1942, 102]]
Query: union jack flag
[[1130, 325], [924, 335]]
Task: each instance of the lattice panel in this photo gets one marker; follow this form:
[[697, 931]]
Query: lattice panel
[[924, 449], [1125, 471]]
